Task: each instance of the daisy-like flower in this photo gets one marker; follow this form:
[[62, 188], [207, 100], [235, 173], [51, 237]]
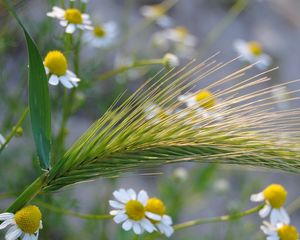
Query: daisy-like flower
[[56, 66], [2, 140], [102, 35], [280, 231], [162, 221], [203, 99], [130, 210], [158, 13], [274, 195], [170, 60], [71, 19], [24, 224], [252, 52], [178, 38]]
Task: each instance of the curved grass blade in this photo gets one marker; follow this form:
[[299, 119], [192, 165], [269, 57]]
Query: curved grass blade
[[39, 101]]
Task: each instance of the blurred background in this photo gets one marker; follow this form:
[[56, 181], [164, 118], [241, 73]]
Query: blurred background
[[189, 190]]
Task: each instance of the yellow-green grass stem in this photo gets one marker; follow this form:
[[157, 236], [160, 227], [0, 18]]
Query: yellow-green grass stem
[[14, 129]]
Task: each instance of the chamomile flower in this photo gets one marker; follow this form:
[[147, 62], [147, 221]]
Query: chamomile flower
[[280, 231], [102, 35], [130, 210], [56, 66], [274, 195], [157, 12], [71, 19], [203, 99], [252, 52], [24, 224], [2, 140], [158, 217], [178, 38]]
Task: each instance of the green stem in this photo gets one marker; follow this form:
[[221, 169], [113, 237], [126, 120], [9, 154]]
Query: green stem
[[71, 213], [224, 218], [14, 129], [136, 237], [139, 63], [213, 35], [29, 193]]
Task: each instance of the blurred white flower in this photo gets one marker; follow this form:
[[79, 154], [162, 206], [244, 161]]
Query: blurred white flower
[[252, 52], [221, 185], [24, 224], [71, 19], [102, 35], [170, 60], [180, 173], [157, 12], [202, 99], [280, 231], [281, 96], [130, 210], [156, 113], [178, 38], [56, 66], [274, 196]]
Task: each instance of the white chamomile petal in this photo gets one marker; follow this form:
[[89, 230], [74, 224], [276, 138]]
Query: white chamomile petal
[[147, 225], [153, 216], [137, 228], [131, 194], [13, 233], [259, 197], [66, 82], [127, 225], [120, 218], [6, 223], [53, 80], [265, 211], [143, 197], [116, 204], [70, 28], [121, 195], [6, 216], [167, 219], [279, 216]]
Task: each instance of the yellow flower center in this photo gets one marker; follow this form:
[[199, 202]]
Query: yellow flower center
[[28, 219], [288, 232], [56, 62], [73, 15], [255, 48], [275, 194], [206, 99], [158, 10], [135, 210], [182, 32], [99, 31], [156, 206]]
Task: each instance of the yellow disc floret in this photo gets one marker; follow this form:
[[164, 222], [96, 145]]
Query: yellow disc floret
[[156, 206], [206, 99], [56, 62], [275, 194], [288, 232], [99, 31], [255, 48], [158, 10], [73, 15], [28, 219], [135, 210]]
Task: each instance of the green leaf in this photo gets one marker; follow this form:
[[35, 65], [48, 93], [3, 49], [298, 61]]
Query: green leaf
[[39, 101]]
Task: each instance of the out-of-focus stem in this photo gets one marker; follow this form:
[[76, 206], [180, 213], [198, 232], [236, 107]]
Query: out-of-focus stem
[[139, 63]]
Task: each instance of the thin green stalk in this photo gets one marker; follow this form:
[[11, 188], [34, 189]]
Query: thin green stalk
[[71, 213], [14, 129], [139, 63], [213, 35], [224, 218], [29, 193]]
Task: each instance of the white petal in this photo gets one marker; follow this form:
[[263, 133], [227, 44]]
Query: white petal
[[264, 61], [116, 212], [66, 82], [265, 211], [131, 193], [153, 216], [6, 223], [137, 229], [27, 237], [165, 229], [275, 237], [279, 216], [147, 225], [259, 197], [116, 204], [143, 197], [167, 220], [120, 218], [53, 80], [70, 28], [127, 225], [6, 216], [121, 195], [284, 216], [63, 23], [47, 70], [13, 233]]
